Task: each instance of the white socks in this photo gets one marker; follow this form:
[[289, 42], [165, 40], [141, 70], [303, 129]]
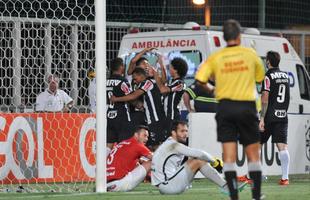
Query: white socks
[[285, 162], [210, 173]]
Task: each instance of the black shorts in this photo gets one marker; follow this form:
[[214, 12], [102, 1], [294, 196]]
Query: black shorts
[[119, 129], [278, 131], [158, 132], [237, 120]]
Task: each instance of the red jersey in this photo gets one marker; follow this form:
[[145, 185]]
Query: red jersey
[[124, 157]]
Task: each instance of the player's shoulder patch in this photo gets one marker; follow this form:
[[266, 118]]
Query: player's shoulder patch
[[266, 83], [147, 85], [125, 88]]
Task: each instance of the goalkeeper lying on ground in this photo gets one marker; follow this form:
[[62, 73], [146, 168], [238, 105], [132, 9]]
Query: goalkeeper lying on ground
[[171, 176]]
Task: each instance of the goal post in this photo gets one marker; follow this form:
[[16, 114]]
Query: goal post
[[101, 124]]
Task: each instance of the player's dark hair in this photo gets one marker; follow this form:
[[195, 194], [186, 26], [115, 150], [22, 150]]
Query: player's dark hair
[[231, 29], [176, 123], [139, 71], [274, 58], [140, 60], [141, 127], [116, 63], [180, 66]]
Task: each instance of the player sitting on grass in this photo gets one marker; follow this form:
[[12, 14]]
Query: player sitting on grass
[[124, 172], [173, 176]]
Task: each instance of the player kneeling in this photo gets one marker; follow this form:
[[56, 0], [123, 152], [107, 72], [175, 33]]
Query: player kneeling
[[171, 175], [124, 172]]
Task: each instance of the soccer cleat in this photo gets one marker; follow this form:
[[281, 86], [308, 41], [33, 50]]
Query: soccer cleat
[[284, 182], [244, 179]]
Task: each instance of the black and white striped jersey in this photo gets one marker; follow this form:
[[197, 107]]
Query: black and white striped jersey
[[117, 86], [173, 98], [154, 110]]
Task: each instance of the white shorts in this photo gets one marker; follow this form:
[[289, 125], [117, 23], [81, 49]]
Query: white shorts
[[129, 182], [179, 182]]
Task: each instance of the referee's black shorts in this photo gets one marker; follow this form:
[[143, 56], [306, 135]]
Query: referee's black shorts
[[237, 120]]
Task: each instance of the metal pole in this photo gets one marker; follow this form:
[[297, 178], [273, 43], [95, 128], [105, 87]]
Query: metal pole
[[74, 57], [101, 124], [303, 48], [261, 13], [17, 65], [207, 14]]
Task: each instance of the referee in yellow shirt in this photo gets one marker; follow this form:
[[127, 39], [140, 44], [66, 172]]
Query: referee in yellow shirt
[[235, 70]]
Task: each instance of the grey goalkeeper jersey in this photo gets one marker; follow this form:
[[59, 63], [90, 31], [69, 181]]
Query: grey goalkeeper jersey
[[167, 160]]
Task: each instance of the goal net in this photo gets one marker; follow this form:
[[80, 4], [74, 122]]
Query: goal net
[[41, 150]]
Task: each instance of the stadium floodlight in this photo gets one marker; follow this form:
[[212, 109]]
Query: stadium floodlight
[[199, 2], [207, 10]]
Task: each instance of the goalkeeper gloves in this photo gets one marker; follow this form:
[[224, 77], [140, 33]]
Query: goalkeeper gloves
[[218, 165]]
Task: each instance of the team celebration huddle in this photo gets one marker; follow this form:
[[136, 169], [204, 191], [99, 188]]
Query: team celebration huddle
[[147, 137]]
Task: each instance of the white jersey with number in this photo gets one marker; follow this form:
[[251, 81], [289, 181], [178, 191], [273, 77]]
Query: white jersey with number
[[168, 158]]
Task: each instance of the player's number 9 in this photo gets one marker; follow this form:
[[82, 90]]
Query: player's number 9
[[281, 93]]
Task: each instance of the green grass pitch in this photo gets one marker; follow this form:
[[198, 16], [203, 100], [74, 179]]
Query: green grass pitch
[[299, 189]]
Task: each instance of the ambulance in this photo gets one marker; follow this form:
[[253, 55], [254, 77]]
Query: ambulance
[[195, 46]]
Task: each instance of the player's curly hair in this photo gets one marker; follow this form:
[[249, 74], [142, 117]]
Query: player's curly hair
[[180, 66]]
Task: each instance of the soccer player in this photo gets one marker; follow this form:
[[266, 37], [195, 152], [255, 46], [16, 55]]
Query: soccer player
[[174, 90], [154, 110], [118, 118], [140, 61], [235, 70], [171, 175], [124, 171], [275, 101]]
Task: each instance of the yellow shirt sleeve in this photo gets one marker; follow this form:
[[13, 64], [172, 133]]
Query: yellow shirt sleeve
[[204, 72], [259, 70]]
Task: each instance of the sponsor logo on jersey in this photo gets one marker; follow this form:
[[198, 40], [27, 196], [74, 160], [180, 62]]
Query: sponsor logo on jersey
[[280, 113], [275, 75], [113, 82], [112, 114]]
